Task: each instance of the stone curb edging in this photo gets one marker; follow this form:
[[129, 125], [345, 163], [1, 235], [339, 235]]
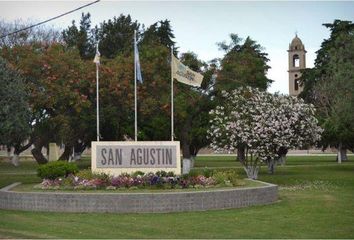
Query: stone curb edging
[[138, 202]]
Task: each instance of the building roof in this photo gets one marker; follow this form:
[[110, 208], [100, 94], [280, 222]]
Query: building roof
[[296, 44]]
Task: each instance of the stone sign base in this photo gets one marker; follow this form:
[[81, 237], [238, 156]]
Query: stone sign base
[[138, 202]]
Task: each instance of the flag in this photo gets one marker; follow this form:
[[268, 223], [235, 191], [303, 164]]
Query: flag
[[97, 56], [137, 63], [184, 75]]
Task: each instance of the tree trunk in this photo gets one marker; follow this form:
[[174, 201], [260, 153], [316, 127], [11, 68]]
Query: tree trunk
[[282, 153], [185, 141], [250, 165], [341, 154], [282, 160], [78, 150], [271, 162], [187, 162], [37, 152], [15, 160], [66, 154], [344, 154], [251, 171], [8, 150], [241, 154], [193, 161], [77, 156], [187, 165], [18, 149]]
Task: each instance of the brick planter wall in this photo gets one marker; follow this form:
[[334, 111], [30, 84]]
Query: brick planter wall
[[138, 202]]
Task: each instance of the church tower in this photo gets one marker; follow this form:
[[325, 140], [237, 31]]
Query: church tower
[[297, 62]]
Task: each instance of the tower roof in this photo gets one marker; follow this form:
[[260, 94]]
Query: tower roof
[[296, 44]]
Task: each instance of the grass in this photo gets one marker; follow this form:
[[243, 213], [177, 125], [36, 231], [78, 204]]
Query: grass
[[316, 201], [230, 161]]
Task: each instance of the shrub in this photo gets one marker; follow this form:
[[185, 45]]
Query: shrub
[[207, 172], [194, 173], [227, 178], [56, 169], [85, 174]]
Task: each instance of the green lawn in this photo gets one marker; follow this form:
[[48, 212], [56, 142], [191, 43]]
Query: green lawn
[[316, 201]]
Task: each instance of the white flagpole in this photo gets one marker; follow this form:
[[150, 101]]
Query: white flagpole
[[97, 98], [172, 123], [135, 92]]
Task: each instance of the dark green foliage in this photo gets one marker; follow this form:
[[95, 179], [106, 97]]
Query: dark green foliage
[[81, 38], [56, 169], [192, 107], [70, 117], [15, 115], [160, 33], [330, 85], [244, 64], [116, 36], [207, 172]]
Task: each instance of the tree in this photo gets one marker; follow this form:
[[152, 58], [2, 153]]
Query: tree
[[192, 106], [160, 33], [244, 64], [57, 85], [81, 38], [116, 36], [330, 87], [263, 124], [15, 114]]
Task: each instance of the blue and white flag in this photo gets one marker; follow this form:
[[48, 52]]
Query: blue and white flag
[[137, 63]]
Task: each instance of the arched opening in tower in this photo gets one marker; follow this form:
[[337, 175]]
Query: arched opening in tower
[[296, 61]]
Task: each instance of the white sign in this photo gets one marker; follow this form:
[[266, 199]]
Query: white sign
[[126, 157]]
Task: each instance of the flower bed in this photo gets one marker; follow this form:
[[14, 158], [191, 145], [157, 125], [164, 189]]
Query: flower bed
[[86, 180]]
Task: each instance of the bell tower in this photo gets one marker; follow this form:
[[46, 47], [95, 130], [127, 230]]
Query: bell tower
[[297, 62]]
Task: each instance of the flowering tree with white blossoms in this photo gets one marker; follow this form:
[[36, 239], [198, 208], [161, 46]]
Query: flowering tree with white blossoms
[[264, 125]]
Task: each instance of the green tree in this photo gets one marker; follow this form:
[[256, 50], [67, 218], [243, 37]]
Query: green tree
[[116, 36], [56, 81], [15, 114], [81, 38], [160, 33], [244, 64], [192, 108], [330, 87]]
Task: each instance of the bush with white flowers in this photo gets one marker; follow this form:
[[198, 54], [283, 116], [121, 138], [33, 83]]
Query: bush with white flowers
[[265, 125]]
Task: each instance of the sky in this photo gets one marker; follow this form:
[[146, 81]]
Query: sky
[[199, 25]]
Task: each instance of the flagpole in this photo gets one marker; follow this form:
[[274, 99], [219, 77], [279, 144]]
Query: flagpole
[[97, 99], [172, 122], [135, 92]]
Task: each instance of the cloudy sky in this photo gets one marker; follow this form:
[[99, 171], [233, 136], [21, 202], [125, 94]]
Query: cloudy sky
[[199, 25]]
